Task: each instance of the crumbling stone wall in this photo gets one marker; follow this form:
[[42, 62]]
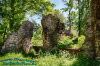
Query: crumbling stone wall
[[20, 40], [52, 26]]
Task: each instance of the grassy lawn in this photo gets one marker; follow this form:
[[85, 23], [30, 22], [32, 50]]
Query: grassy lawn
[[48, 59]]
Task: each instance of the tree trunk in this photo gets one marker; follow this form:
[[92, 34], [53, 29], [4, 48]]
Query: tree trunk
[[92, 43], [79, 22]]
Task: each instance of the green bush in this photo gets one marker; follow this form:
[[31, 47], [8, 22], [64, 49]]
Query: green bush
[[1, 40], [65, 42], [80, 42], [37, 38]]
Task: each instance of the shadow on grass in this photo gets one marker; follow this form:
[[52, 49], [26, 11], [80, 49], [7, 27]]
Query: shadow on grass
[[30, 54], [84, 61], [2, 54]]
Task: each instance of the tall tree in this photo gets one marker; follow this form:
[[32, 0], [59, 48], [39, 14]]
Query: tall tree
[[79, 28], [92, 43], [83, 12], [13, 12], [69, 8]]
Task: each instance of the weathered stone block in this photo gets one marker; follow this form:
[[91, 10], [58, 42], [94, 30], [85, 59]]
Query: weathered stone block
[[52, 26], [20, 40]]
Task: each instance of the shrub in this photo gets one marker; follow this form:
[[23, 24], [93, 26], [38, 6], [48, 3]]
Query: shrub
[[80, 42], [65, 42], [37, 38], [1, 40]]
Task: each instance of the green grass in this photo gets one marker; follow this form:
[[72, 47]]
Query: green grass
[[48, 59], [55, 57]]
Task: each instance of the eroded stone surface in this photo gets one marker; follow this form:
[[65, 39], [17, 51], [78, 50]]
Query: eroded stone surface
[[52, 26], [20, 40]]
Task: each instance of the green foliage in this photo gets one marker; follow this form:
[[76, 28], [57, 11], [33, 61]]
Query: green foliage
[[83, 13], [65, 42], [84, 61], [52, 60], [81, 40], [1, 40], [70, 6], [13, 12], [78, 12], [59, 15], [37, 37]]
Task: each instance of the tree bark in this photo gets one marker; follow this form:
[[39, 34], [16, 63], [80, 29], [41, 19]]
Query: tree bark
[[79, 22], [92, 42]]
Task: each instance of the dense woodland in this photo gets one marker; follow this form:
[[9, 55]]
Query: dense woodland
[[58, 40]]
